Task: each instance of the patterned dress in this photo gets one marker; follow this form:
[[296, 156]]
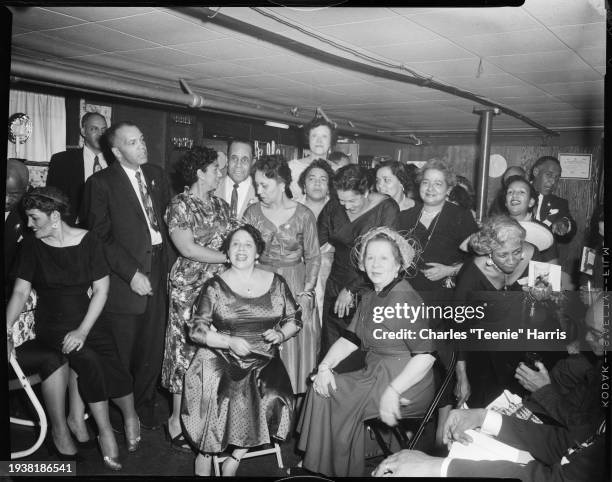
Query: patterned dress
[[209, 222], [292, 250], [246, 401]]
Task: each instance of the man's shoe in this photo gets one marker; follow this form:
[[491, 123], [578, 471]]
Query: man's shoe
[[148, 420]]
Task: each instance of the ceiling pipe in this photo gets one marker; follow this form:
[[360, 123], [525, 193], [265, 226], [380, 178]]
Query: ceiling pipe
[[206, 14], [67, 77]]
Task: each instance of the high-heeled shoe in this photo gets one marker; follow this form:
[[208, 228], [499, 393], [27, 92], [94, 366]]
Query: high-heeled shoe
[[133, 443], [110, 462], [87, 444]]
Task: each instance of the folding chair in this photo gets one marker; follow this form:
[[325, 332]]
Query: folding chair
[[274, 449], [22, 332], [444, 376]]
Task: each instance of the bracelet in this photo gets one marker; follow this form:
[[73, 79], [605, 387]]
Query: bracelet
[[394, 389], [283, 337], [323, 367], [9, 333]]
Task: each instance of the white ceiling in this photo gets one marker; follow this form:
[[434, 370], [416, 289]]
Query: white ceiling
[[545, 60]]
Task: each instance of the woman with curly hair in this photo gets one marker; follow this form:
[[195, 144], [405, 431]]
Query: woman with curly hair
[[332, 433], [197, 221]]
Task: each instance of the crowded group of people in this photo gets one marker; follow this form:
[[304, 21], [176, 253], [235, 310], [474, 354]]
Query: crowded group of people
[[249, 296]]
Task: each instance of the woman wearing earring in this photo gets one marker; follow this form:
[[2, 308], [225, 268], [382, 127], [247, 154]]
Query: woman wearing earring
[[320, 136], [502, 259], [355, 211], [289, 230], [332, 433], [198, 222], [393, 180], [236, 391], [62, 263]]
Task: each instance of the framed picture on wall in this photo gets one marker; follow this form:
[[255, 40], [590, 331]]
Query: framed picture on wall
[[575, 166]]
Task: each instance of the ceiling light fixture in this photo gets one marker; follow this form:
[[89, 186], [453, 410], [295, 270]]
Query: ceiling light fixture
[[280, 125]]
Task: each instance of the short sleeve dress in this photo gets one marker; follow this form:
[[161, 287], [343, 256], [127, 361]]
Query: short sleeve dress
[[292, 251], [62, 277], [332, 433], [209, 222], [243, 402]]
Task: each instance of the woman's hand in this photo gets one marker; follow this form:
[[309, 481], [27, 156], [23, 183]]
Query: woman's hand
[[344, 303], [322, 381], [239, 346], [437, 271], [389, 409], [305, 299], [275, 337], [74, 340]]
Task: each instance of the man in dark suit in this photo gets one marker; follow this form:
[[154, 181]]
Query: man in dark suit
[[551, 210], [124, 204], [68, 170], [559, 454], [17, 179]]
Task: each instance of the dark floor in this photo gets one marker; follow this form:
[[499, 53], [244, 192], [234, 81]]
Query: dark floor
[[155, 457]]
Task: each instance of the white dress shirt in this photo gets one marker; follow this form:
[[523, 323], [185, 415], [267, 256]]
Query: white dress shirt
[[88, 159], [156, 237], [243, 191]]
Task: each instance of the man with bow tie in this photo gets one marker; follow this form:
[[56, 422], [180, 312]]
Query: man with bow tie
[[551, 210], [68, 170], [124, 204]]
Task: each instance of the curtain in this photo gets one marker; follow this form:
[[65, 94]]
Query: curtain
[[48, 115]]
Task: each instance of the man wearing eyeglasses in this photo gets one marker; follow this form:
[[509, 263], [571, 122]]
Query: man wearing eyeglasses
[[237, 187]]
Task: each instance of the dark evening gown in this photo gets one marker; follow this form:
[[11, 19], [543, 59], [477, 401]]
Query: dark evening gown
[[336, 228], [209, 223], [332, 433], [62, 277], [292, 251], [492, 371], [242, 402]]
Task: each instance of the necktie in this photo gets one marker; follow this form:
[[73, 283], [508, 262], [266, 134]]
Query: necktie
[[234, 200], [146, 200], [97, 166], [539, 206]]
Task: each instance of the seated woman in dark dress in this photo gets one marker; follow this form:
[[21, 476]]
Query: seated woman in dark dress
[[398, 370], [237, 391], [502, 259], [62, 263], [355, 211]]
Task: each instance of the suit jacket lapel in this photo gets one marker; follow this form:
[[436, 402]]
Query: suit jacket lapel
[[123, 183], [79, 170]]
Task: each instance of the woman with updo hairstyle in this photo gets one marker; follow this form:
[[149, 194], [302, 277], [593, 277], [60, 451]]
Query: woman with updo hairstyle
[[289, 230], [63, 263], [320, 136], [332, 432], [440, 226], [237, 392], [351, 214], [197, 222], [393, 180]]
